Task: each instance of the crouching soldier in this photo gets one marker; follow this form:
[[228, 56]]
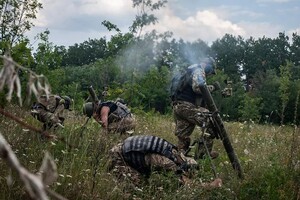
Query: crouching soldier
[[114, 116], [137, 156], [49, 110]]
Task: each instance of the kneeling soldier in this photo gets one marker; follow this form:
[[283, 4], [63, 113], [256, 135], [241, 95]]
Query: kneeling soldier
[[140, 155]]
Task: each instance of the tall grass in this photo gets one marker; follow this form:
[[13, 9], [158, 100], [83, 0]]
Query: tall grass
[[264, 152]]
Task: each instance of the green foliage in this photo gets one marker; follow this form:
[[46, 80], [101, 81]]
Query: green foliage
[[267, 87], [250, 108], [84, 53], [285, 81], [16, 18], [230, 55], [46, 56], [270, 183], [154, 87], [143, 17]]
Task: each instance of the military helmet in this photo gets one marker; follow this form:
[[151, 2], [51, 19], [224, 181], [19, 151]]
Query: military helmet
[[210, 65], [68, 102], [88, 109]]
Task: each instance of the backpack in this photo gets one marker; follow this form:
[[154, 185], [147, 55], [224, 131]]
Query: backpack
[[122, 110], [179, 82]]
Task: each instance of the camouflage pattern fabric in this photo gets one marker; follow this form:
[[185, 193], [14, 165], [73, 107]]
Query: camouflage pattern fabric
[[186, 118], [49, 111], [119, 168], [121, 125], [157, 162]]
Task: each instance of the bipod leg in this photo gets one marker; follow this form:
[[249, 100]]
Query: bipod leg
[[210, 159]]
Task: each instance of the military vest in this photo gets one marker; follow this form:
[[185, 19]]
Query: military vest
[[122, 110]]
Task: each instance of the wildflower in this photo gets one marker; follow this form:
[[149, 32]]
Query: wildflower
[[61, 175], [69, 176], [246, 151], [57, 183], [138, 189]]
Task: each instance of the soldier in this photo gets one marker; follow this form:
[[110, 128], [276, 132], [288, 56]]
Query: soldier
[[187, 102], [49, 110], [114, 116], [137, 156], [105, 93]]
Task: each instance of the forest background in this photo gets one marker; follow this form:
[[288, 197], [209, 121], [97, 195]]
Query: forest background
[[138, 67]]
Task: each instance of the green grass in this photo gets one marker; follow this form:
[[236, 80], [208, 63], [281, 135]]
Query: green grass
[[271, 167]]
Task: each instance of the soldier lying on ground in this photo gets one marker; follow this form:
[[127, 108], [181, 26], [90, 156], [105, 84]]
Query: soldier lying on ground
[[114, 116], [139, 155], [49, 110]]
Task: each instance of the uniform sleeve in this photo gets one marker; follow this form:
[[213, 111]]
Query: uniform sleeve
[[198, 79]]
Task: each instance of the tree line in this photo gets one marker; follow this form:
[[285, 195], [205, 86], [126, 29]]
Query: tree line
[[264, 72]]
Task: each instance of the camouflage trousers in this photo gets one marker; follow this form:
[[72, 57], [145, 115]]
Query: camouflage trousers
[[121, 125], [157, 162], [186, 116], [49, 119]]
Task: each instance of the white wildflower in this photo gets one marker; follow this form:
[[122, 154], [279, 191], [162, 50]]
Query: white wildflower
[[246, 152]]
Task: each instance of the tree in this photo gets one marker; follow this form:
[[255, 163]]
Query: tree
[[85, 53], [143, 17], [15, 20], [266, 86], [47, 55], [285, 82], [250, 107], [295, 49], [230, 53]]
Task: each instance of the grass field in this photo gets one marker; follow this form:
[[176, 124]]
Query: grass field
[[269, 155]]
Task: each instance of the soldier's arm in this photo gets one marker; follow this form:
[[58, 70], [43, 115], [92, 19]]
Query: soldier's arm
[[198, 79], [104, 116]]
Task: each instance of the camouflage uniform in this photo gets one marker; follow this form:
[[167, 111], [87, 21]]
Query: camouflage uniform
[[49, 110], [186, 118], [120, 119], [137, 156], [187, 103]]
